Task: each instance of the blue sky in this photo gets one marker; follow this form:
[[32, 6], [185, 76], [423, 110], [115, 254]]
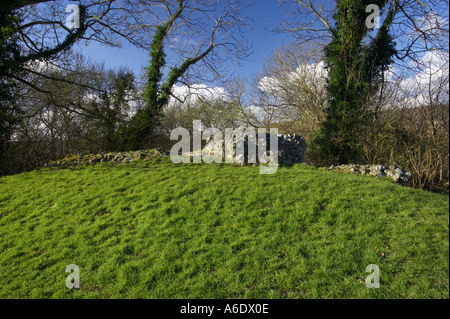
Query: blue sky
[[265, 14]]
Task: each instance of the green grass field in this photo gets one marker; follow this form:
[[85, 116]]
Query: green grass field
[[160, 230]]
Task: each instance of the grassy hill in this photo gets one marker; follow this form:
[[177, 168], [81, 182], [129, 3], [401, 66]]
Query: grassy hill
[[160, 230]]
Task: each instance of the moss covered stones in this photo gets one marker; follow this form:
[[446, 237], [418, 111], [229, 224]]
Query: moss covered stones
[[115, 157]]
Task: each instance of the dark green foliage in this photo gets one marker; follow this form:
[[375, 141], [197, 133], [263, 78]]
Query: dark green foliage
[[355, 70], [111, 109], [154, 71], [9, 52]]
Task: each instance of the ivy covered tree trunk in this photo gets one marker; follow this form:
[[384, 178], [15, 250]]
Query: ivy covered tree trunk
[[354, 73], [8, 50], [143, 123], [158, 91]]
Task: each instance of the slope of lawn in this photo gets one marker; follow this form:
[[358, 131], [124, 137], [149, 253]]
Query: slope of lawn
[[162, 230]]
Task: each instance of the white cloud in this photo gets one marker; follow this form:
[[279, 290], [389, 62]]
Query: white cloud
[[431, 22], [88, 98], [430, 81], [192, 94], [257, 112], [43, 66], [313, 73], [270, 85]]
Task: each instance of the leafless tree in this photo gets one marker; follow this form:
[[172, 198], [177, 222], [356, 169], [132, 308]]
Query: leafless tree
[[290, 90]]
